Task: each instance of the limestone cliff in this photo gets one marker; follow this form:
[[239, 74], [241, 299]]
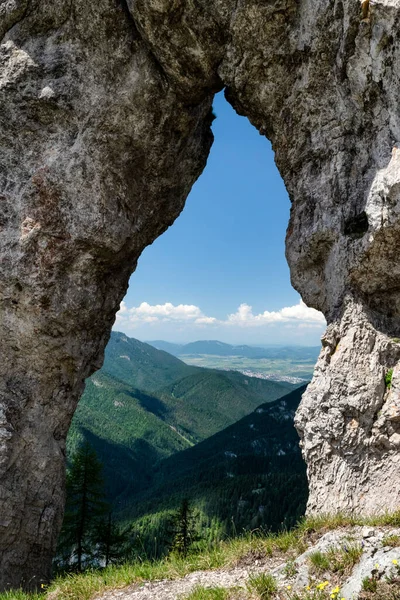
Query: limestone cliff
[[104, 126]]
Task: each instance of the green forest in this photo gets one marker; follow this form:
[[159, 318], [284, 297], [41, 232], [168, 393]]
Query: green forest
[[161, 434]]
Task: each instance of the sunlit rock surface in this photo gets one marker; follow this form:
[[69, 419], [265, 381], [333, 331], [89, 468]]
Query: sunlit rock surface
[[104, 126]]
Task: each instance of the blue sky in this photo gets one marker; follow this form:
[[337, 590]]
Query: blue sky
[[223, 255]]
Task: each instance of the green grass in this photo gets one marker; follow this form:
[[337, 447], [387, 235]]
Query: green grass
[[388, 379], [19, 595], [263, 585], [225, 554], [319, 561], [328, 522], [202, 593], [383, 590], [369, 584], [336, 560], [290, 569], [391, 540]]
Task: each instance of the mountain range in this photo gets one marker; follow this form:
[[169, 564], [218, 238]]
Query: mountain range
[[145, 404], [165, 430], [216, 348]]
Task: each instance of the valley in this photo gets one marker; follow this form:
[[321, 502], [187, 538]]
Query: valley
[[165, 430], [278, 363], [145, 405]]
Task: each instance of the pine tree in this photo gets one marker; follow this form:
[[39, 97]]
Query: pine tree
[[85, 507], [184, 528], [111, 540]]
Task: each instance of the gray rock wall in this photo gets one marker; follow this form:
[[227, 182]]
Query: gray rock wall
[[97, 155], [104, 126]]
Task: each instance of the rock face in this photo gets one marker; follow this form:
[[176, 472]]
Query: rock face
[[104, 126], [97, 157]]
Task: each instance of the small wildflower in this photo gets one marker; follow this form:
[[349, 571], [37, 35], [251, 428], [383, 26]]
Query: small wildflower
[[395, 562], [289, 587], [321, 586]]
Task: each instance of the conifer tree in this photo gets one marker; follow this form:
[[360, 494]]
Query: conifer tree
[[85, 507], [184, 528], [111, 540]]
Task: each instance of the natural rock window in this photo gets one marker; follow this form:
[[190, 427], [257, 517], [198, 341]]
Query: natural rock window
[[105, 125]]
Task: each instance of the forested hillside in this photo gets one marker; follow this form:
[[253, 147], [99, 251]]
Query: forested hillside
[[250, 475], [145, 405], [141, 365]]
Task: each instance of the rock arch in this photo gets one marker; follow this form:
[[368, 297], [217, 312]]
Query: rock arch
[[104, 126]]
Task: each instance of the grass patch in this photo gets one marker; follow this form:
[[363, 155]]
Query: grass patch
[[290, 569], [384, 591], [391, 540], [202, 593], [375, 588], [385, 520], [327, 522], [369, 584], [336, 560], [319, 561], [263, 586], [20, 595], [388, 378], [83, 586]]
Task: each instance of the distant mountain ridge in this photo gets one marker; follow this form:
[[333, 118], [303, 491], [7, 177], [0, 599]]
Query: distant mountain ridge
[[217, 348]]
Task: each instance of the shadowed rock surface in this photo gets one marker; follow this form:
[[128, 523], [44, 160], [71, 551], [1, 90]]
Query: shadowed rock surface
[[104, 126]]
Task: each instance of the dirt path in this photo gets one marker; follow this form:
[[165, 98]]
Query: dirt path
[[175, 589]]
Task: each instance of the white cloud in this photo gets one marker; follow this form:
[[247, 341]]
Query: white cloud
[[206, 320], [298, 315], [147, 313]]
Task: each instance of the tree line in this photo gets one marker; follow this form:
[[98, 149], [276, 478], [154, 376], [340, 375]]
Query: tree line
[[90, 536]]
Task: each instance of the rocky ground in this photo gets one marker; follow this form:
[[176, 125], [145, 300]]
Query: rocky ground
[[179, 588], [350, 563]]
